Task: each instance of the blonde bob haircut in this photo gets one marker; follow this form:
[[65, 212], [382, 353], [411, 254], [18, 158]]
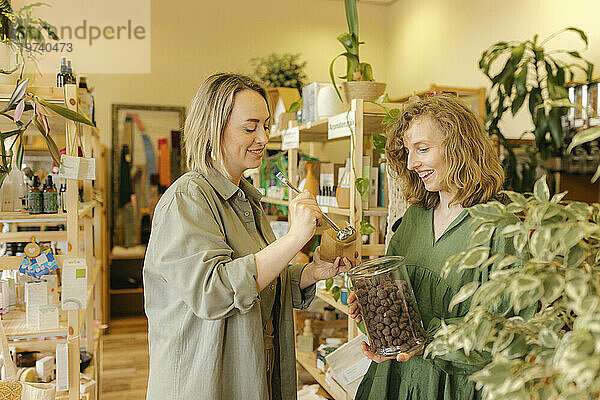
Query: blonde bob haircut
[[208, 115], [473, 167]]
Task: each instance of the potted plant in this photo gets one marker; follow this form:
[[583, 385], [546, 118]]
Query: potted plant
[[18, 29], [554, 272], [280, 70], [535, 76], [359, 75]]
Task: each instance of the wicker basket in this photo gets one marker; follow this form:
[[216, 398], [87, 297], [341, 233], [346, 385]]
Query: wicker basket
[[365, 90]]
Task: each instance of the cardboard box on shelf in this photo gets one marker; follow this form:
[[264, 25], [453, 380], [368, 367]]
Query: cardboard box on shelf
[[348, 364]]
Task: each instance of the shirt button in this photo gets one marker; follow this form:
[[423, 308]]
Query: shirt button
[[272, 287], [247, 213]]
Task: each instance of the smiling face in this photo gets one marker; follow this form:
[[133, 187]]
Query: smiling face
[[423, 145], [246, 134]]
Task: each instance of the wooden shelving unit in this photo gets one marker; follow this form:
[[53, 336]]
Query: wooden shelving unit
[[85, 228], [368, 118], [308, 362]]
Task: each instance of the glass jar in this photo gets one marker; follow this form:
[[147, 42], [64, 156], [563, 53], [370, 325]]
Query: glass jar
[[387, 305]]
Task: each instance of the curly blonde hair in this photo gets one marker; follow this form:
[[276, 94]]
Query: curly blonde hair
[[473, 166]]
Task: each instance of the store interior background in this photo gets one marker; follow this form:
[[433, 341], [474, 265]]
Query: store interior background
[[410, 44]]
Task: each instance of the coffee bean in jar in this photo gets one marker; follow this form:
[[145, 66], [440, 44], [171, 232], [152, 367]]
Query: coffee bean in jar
[[387, 305]]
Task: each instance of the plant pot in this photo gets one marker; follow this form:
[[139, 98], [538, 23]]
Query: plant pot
[[365, 90]]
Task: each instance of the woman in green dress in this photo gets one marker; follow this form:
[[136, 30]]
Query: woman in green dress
[[447, 163]]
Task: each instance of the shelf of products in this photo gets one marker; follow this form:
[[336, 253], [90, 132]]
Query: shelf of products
[[328, 298], [308, 362], [83, 229], [368, 119]]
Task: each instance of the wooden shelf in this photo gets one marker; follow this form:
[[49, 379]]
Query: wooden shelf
[[127, 291], [373, 250], [13, 262], [15, 325], [40, 236], [370, 212], [26, 217], [271, 200], [128, 253], [308, 362], [85, 210], [90, 293], [48, 93], [328, 298], [309, 132]]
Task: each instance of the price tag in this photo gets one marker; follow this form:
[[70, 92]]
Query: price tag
[[290, 138], [74, 284], [341, 125], [80, 168]]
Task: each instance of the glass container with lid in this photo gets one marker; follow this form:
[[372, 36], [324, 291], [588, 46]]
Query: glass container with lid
[[387, 305]]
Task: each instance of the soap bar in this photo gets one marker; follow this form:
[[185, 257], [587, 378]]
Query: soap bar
[[331, 247]]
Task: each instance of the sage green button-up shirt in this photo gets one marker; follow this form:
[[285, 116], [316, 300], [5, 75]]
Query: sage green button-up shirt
[[205, 326]]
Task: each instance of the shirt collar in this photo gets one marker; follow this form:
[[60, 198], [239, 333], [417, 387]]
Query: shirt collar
[[227, 189]]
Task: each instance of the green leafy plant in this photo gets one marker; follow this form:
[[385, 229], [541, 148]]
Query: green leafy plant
[[280, 70], [535, 76], [355, 69], [17, 30], [335, 290], [554, 271], [583, 137]]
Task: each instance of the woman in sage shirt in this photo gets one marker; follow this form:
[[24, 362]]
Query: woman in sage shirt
[[447, 163], [218, 287]]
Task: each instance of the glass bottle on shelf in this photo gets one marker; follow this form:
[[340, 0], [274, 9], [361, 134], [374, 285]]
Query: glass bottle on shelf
[[50, 197], [35, 198]]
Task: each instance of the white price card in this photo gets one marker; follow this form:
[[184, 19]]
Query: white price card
[[290, 138], [80, 168], [62, 367], [341, 125], [74, 284], [36, 293], [47, 317]]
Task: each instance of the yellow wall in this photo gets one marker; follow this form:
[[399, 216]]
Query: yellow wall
[[440, 41], [191, 39], [410, 44]]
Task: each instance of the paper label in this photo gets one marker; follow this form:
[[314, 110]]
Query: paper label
[[74, 284], [47, 317], [80, 168], [52, 281], [40, 265], [290, 138], [36, 294], [326, 180], [341, 125], [62, 367]]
